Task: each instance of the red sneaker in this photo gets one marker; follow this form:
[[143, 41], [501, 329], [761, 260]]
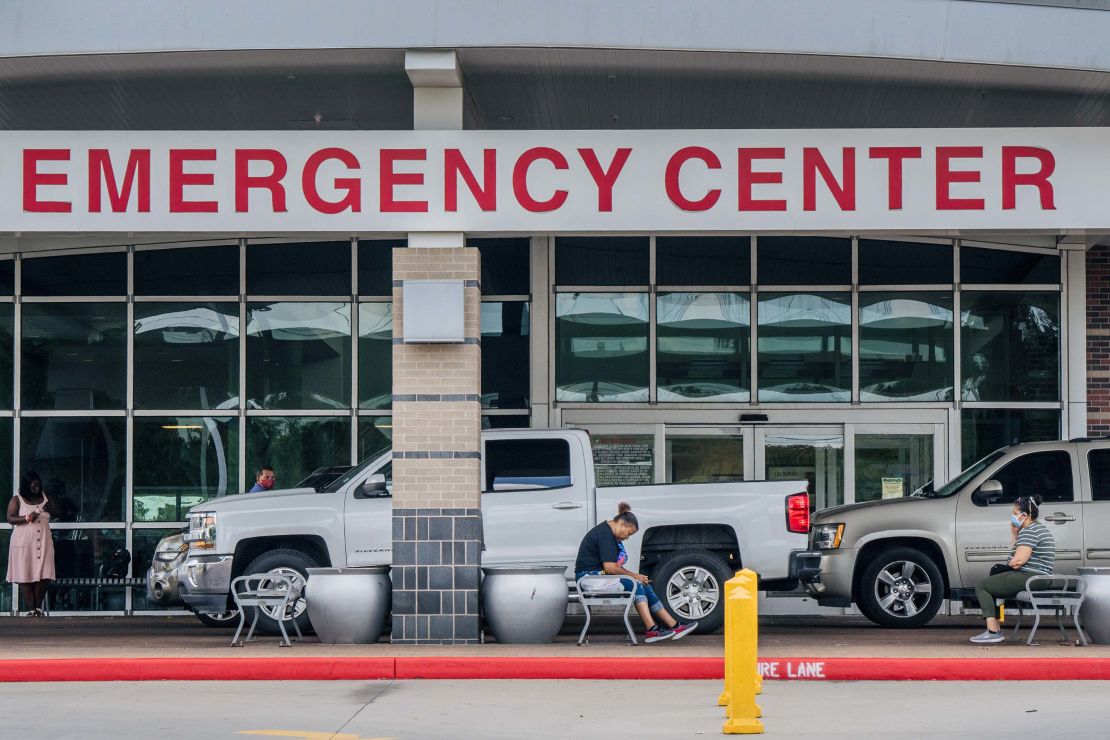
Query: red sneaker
[[657, 634], [683, 628]]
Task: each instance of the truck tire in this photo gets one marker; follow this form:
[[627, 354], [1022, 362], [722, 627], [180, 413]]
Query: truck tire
[[901, 588], [286, 562], [691, 584]]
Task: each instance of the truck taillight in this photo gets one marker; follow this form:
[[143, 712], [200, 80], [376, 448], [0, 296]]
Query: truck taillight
[[797, 513]]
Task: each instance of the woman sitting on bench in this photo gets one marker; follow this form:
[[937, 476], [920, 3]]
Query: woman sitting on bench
[[602, 553]]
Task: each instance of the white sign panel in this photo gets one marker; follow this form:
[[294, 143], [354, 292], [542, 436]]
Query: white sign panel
[[529, 181]]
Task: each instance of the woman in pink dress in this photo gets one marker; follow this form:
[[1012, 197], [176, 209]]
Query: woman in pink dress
[[31, 556]]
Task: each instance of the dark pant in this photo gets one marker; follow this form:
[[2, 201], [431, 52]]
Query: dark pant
[[1002, 586]]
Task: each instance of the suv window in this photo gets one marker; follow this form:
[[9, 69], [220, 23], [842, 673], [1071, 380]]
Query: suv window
[[521, 464], [1099, 461], [1046, 474]]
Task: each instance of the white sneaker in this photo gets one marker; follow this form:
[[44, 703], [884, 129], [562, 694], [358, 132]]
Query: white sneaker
[[986, 637]]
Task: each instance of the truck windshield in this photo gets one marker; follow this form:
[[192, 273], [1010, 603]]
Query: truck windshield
[[354, 472], [958, 482]]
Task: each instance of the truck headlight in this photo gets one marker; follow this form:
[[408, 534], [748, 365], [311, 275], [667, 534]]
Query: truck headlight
[[827, 536], [202, 530]]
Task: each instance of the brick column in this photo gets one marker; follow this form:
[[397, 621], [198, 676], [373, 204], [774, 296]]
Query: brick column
[[437, 522], [1098, 341]]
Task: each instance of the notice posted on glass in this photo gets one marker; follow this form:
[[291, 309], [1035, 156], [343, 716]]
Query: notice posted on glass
[[624, 460]]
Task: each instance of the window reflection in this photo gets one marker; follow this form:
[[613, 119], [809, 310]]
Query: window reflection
[[74, 356], [375, 355], [505, 352], [601, 345], [180, 462], [85, 553], [905, 346], [375, 435], [705, 458], [298, 355], [986, 430], [297, 445], [81, 462], [703, 342], [186, 355], [805, 347], [1010, 346], [7, 347]]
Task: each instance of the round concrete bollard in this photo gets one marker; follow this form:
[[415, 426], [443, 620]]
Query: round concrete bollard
[[1095, 613], [524, 605], [349, 605]]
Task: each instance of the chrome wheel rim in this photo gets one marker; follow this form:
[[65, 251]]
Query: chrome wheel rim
[[298, 604], [693, 592], [227, 616], [903, 588]]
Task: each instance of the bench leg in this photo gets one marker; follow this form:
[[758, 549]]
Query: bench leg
[[1036, 623], [586, 626], [1017, 626], [1078, 628], [254, 623], [235, 641], [627, 624]]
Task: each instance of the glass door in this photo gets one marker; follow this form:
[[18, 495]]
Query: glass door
[[892, 462], [707, 454], [813, 454]]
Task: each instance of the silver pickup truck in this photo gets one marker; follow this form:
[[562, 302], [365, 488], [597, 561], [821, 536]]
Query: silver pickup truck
[[539, 498], [899, 559]]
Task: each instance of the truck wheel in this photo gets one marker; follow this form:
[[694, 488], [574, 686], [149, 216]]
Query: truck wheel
[[230, 618], [691, 585], [292, 563], [901, 588]]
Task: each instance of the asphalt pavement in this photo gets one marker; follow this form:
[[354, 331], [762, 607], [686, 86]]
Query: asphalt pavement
[[555, 710]]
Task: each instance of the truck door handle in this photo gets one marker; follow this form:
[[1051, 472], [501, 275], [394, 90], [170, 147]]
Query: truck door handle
[[1059, 518], [566, 505]]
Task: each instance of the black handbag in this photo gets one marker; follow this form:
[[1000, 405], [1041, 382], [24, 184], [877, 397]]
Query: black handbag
[[1000, 568]]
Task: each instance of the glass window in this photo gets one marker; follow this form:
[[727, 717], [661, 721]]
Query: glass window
[[592, 260], [375, 265], [817, 459], [506, 265], [524, 464], [805, 347], [623, 459], [6, 588], [74, 356], [905, 346], [1046, 474], [703, 345], [505, 353], [904, 263], [180, 462], [705, 458], [986, 430], [83, 553], [143, 544], [1001, 266], [504, 421], [186, 355], [703, 260], [803, 260], [296, 445], [81, 462], [1010, 346], [7, 277], [188, 271], [7, 356], [76, 274], [601, 347], [375, 435], [299, 355], [1099, 460], [892, 465], [315, 268], [375, 355], [5, 461]]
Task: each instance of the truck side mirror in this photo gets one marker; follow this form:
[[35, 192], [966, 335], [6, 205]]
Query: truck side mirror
[[372, 487], [988, 493]]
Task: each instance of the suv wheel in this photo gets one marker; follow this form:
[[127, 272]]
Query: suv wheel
[[901, 587], [691, 584], [284, 562]]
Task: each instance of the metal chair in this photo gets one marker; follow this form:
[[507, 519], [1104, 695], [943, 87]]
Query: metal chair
[[1059, 594], [605, 591], [265, 590]]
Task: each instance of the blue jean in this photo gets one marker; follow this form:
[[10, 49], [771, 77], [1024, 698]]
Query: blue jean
[[644, 592]]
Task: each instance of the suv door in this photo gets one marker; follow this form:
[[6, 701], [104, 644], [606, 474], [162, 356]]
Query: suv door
[[983, 530], [533, 501], [1096, 509]]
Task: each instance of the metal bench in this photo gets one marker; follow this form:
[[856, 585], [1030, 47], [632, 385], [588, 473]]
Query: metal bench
[[271, 590], [1059, 594], [605, 591], [96, 584]]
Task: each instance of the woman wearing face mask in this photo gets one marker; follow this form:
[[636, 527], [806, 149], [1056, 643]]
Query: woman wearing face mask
[[1033, 553]]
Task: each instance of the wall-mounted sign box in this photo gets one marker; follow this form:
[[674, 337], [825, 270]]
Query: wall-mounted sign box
[[432, 311]]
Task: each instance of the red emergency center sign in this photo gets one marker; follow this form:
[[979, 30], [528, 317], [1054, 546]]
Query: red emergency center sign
[[542, 181]]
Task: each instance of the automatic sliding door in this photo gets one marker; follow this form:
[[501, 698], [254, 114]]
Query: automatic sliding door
[[704, 455], [815, 455]]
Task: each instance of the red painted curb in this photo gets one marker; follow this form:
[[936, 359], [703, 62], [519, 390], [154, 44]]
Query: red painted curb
[[473, 667]]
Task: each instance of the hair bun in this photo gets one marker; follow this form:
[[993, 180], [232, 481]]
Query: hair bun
[[623, 506]]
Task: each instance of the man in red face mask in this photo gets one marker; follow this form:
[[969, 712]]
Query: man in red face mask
[[264, 481]]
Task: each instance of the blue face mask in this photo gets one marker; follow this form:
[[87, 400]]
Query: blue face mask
[[1015, 519]]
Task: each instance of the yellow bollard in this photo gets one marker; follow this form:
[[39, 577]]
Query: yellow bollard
[[740, 646], [748, 580]]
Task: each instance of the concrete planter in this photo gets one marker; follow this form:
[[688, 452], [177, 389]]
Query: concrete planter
[[1095, 615], [524, 605], [349, 605]]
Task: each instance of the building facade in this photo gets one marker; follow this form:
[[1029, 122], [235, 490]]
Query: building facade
[[661, 299]]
